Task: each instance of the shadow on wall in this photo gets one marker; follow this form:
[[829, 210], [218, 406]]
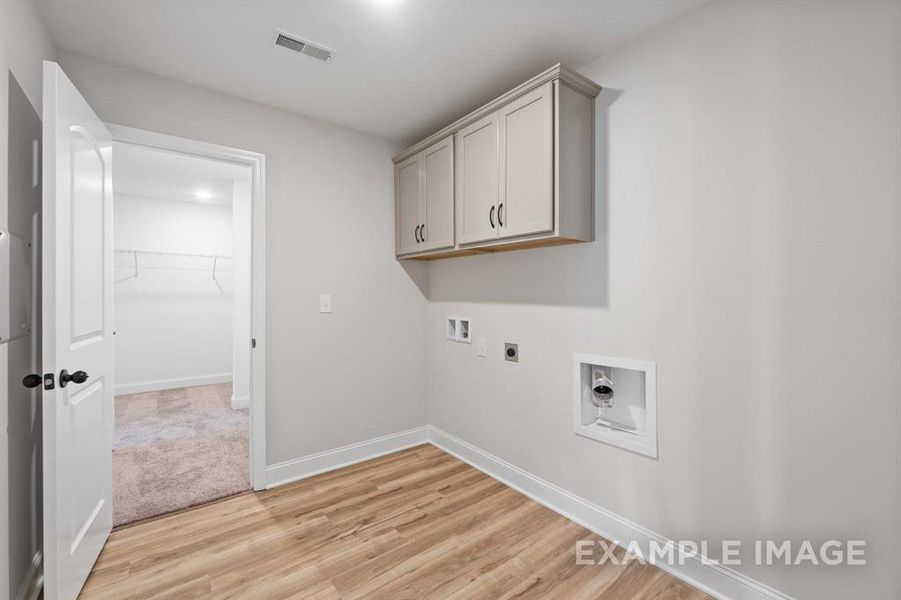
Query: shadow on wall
[[575, 275], [418, 271]]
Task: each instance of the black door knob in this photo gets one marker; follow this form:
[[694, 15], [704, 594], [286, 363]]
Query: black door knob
[[77, 377], [32, 380]]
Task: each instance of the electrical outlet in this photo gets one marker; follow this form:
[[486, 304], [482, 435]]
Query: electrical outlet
[[511, 352], [483, 347]]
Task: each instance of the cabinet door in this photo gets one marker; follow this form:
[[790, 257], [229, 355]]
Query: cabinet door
[[438, 195], [526, 203], [477, 165], [408, 205]]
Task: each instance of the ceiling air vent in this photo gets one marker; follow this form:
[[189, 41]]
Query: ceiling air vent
[[305, 47]]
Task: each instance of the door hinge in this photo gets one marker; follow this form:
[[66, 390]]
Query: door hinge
[[253, 342]]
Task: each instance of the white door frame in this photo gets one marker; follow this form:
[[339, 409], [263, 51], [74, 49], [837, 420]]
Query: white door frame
[[257, 163]]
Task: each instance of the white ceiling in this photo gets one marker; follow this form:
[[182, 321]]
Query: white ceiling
[[169, 176], [403, 68]]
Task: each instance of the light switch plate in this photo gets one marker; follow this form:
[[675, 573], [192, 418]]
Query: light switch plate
[[325, 303], [483, 347]]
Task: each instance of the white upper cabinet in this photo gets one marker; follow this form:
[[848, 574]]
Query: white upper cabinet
[[526, 132], [438, 195], [408, 205], [477, 181], [424, 200], [516, 173]]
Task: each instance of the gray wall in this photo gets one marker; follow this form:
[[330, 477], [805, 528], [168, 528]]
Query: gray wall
[[749, 206], [329, 202]]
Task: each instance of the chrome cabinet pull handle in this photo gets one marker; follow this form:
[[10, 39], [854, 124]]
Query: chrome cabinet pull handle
[[491, 217], [500, 208], [422, 232], [416, 233]]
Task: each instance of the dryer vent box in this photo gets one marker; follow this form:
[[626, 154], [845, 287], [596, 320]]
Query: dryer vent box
[[459, 329]]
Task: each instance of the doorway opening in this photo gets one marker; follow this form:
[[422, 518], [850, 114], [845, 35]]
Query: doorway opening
[[183, 230]]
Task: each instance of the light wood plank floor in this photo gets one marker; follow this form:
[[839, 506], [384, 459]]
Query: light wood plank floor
[[411, 525]]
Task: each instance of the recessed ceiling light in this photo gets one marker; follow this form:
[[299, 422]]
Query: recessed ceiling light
[[203, 194]]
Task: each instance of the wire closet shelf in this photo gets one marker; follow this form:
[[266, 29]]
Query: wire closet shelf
[[134, 261]]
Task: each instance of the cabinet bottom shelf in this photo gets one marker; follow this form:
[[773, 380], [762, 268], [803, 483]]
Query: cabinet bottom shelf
[[501, 246]]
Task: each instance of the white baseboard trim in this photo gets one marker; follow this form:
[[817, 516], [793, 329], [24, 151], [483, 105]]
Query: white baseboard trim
[[168, 384], [717, 580], [322, 462], [33, 583], [240, 401]]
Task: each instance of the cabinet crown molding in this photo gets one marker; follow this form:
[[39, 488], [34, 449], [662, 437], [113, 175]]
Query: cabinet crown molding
[[576, 81]]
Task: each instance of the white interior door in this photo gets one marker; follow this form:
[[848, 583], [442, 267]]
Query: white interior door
[[77, 336]]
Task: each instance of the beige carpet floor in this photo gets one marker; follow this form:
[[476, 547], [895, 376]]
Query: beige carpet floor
[[177, 448]]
